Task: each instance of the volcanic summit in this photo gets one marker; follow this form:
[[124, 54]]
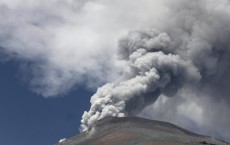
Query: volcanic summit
[[138, 131]]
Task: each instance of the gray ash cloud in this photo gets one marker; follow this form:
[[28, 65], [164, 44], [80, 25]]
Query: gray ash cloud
[[187, 48], [173, 64]]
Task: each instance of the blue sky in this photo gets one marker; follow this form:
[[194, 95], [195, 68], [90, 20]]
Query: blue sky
[[29, 119]]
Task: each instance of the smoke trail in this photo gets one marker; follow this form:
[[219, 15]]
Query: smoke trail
[[153, 69]]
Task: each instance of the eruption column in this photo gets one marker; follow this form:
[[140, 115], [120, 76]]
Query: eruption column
[[152, 69]]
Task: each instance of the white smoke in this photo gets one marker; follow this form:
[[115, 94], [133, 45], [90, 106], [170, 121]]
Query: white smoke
[[59, 43], [172, 46], [191, 49], [62, 140], [151, 71]]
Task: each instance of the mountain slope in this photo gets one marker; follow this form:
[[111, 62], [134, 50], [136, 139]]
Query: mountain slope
[[138, 131]]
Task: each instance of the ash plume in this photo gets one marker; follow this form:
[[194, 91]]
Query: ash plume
[[190, 48], [173, 65], [152, 69]]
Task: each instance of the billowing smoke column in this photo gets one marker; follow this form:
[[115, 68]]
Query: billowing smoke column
[[153, 68], [185, 53], [189, 48]]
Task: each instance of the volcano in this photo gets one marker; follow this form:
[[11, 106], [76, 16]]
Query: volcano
[[138, 131]]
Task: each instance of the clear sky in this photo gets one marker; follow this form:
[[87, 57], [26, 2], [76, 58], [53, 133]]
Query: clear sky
[[29, 119]]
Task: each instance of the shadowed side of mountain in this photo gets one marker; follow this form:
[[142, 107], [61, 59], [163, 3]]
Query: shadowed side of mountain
[[138, 131]]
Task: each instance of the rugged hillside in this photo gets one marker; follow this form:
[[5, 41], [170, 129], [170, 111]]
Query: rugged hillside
[[138, 131]]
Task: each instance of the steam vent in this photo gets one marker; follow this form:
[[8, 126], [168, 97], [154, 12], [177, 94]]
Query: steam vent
[[138, 131]]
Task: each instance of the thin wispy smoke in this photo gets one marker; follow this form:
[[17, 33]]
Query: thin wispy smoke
[[165, 60]]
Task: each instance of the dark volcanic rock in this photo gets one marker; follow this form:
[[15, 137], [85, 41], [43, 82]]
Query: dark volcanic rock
[[138, 131]]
